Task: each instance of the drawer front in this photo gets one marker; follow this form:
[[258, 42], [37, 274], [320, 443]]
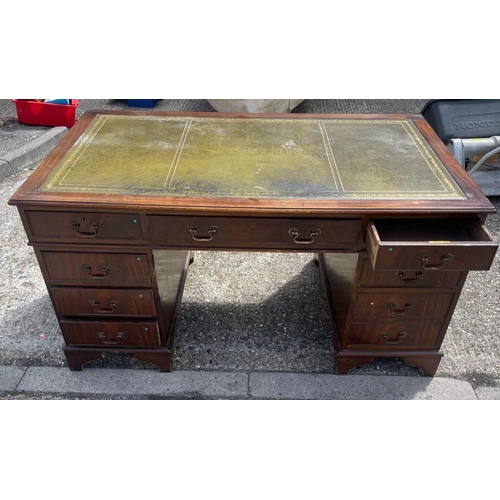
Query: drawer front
[[84, 227], [398, 305], [407, 279], [100, 269], [394, 336], [111, 334], [104, 302], [430, 245], [223, 232]]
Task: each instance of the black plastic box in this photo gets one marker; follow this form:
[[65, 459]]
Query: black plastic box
[[463, 118]]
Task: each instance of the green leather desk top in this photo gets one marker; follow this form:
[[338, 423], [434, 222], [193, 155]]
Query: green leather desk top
[[253, 158]]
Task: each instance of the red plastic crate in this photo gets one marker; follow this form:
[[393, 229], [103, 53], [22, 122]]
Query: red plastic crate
[[47, 114]]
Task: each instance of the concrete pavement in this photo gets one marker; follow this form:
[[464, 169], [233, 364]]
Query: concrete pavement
[[147, 384]]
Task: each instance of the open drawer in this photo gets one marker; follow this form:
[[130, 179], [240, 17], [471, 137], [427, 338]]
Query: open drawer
[[429, 244]]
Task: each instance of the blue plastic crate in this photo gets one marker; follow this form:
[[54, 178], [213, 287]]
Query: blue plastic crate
[[142, 103]]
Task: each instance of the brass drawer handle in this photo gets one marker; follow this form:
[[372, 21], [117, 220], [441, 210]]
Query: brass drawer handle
[[424, 261], [295, 233], [401, 276], [399, 312], [102, 275], [111, 308], [211, 232], [401, 336], [95, 229], [102, 335]]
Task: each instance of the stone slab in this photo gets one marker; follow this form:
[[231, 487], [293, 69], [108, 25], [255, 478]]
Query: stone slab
[[10, 376], [488, 393], [357, 387], [180, 384]]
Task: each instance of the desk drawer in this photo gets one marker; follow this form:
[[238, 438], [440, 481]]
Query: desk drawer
[[104, 302], [84, 226], [394, 336], [406, 279], [247, 232], [100, 269], [430, 244], [400, 305], [111, 334]]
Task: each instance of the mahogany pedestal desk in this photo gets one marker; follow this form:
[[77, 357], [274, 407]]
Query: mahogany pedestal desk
[[116, 209]]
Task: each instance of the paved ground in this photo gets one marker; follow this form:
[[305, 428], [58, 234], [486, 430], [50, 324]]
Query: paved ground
[[257, 328]]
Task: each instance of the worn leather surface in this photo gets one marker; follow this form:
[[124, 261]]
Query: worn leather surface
[[254, 158]]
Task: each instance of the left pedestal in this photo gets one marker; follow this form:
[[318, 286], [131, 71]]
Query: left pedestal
[[115, 300]]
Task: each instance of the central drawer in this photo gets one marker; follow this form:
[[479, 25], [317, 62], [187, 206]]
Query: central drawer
[[104, 302], [111, 334], [229, 232]]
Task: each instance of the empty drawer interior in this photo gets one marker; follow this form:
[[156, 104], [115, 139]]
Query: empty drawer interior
[[431, 230]]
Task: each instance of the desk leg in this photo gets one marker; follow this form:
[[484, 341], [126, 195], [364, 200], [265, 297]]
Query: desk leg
[[162, 359], [427, 361], [171, 267], [344, 364], [76, 358]]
